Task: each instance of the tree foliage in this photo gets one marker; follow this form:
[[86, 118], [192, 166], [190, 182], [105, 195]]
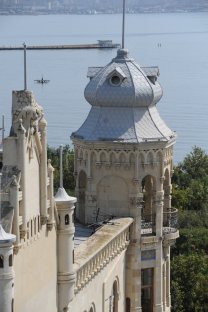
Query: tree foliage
[[194, 240], [190, 181], [189, 264], [190, 283], [68, 167]]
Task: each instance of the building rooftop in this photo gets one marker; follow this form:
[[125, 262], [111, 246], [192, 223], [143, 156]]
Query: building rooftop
[[82, 233], [99, 239], [123, 96]]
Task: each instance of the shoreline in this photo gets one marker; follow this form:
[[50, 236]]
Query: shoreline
[[38, 13]]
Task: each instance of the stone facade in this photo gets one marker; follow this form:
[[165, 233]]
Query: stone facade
[[28, 206], [123, 168]]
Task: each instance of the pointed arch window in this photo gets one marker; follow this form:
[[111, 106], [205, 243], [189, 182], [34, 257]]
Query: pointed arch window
[[67, 219], [10, 260], [1, 261]]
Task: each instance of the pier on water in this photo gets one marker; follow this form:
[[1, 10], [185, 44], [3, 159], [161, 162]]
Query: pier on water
[[102, 44]]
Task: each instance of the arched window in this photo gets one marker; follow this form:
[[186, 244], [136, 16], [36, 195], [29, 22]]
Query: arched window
[[38, 224], [1, 261], [66, 219], [31, 228], [115, 296], [128, 305], [10, 260], [92, 308], [35, 226], [28, 230]]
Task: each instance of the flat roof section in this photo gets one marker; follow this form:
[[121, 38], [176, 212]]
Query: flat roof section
[[82, 233]]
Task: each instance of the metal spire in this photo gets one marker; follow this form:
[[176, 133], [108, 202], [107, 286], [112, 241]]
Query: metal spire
[[123, 23], [2, 129], [25, 66], [61, 166], [0, 199]]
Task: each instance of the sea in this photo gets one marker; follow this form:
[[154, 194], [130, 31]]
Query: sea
[[176, 42]]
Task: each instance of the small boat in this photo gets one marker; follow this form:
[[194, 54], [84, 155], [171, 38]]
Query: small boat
[[42, 81]]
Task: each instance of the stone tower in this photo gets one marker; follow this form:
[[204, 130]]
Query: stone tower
[[123, 167], [65, 245], [6, 270]]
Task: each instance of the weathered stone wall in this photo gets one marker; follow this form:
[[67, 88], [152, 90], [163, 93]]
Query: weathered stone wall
[[35, 274]]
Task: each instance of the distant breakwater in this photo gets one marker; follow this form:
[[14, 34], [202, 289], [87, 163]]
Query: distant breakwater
[[61, 47]]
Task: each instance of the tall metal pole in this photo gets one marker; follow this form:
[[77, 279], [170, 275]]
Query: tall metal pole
[[25, 66], [0, 197], [123, 23], [61, 166], [3, 129]]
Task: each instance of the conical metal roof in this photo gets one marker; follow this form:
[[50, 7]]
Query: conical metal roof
[[123, 96], [6, 237]]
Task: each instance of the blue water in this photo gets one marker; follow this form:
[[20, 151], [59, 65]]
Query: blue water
[[182, 59]]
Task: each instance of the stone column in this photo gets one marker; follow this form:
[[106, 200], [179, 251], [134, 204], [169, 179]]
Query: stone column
[[22, 166], [164, 285], [133, 261], [43, 173], [168, 295], [14, 194], [158, 281], [65, 249], [51, 222], [6, 271]]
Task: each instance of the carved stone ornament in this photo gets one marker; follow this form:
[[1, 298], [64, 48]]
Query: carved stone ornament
[[92, 198], [26, 108], [136, 201]]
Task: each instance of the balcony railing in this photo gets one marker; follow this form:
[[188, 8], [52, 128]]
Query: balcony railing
[[148, 224], [170, 222]]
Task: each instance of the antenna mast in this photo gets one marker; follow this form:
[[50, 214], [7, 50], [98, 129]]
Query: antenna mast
[[61, 166], [0, 199], [2, 130], [123, 23], [25, 66]]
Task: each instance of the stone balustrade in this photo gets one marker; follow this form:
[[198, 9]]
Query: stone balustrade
[[101, 248]]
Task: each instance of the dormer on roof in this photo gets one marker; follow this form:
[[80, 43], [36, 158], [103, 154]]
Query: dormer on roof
[[116, 77]]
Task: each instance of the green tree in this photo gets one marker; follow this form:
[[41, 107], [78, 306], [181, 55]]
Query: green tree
[[190, 283], [189, 265], [191, 241], [68, 167], [190, 181]]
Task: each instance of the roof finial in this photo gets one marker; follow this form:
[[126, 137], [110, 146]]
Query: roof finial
[[123, 23], [25, 66], [61, 166]]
